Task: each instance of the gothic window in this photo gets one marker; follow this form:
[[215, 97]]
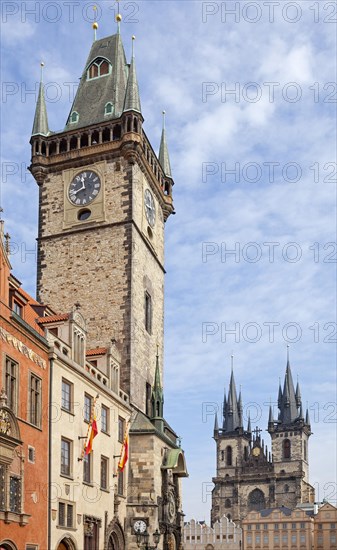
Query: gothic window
[[11, 384], [256, 500], [286, 449], [245, 453], [35, 400], [305, 450], [228, 503], [74, 117], [229, 456], [99, 67], [222, 455], [286, 488]]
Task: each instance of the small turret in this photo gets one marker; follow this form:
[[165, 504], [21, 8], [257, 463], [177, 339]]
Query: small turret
[[40, 126], [132, 99], [164, 158]]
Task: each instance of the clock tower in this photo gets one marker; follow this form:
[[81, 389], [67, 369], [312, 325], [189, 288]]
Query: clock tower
[[104, 198]]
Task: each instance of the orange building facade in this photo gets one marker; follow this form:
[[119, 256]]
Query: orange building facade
[[24, 388]]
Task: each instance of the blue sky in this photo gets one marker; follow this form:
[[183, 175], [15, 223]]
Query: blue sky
[[277, 210]]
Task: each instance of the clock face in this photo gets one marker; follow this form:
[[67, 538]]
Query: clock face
[[150, 209], [139, 526], [171, 507], [256, 451], [84, 188]]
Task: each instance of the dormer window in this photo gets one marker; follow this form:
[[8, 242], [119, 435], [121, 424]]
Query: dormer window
[[17, 308], [74, 117], [108, 109], [99, 67]]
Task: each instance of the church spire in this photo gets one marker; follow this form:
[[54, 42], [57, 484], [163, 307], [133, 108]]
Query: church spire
[[132, 99], [289, 400], [164, 158], [40, 126], [232, 419], [157, 398]]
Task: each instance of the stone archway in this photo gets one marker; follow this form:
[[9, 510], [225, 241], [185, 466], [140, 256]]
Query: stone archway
[[115, 536], [66, 544]]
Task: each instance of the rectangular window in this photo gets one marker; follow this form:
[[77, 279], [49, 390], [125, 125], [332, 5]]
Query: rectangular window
[[293, 525], [104, 472], [66, 515], [284, 525], [320, 526], [66, 457], [17, 308], [15, 494], [87, 407], [2, 486], [121, 429], [265, 526], [257, 539], [31, 454], [35, 400], [62, 517], [293, 538], [249, 527], [276, 526], [333, 539], [120, 487], [31, 547], [11, 384], [285, 538], [302, 526], [67, 396], [332, 526], [105, 420], [302, 537], [276, 538], [265, 539], [87, 468], [148, 312]]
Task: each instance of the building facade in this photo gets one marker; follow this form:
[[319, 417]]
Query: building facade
[[24, 395], [279, 528], [325, 528], [224, 535], [104, 197], [249, 477]]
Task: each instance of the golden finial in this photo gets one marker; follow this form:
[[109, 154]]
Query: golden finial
[[118, 18], [41, 65], [95, 24]]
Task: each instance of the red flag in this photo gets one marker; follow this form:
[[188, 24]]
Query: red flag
[[124, 454], [93, 431]]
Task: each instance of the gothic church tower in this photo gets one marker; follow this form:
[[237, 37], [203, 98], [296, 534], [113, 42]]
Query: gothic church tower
[[248, 476]]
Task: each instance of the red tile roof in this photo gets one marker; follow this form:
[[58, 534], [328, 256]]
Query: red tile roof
[[53, 318], [96, 351]]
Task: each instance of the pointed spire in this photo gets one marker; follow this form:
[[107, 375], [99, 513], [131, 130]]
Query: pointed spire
[[240, 410], [132, 100], [157, 398], [216, 425], [271, 418], [224, 411], [279, 399], [164, 158], [232, 417], [298, 395], [307, 418], [40, 126], [249, 426]]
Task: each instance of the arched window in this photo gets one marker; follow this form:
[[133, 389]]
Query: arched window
[[305, 450], [245, 453], [222, 455], [229, 456], [228, 503], [256, 500], [74, 117], [287, 449], [286, 488], [99, 67], [108, 109]]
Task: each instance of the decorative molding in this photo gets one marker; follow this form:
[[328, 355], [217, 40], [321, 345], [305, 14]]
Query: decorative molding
[[22, 348]]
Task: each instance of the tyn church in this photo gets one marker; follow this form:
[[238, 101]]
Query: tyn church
[[248, 476]]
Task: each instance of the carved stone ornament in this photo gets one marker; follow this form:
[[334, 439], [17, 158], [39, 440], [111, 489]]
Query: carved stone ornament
[[5, 424]]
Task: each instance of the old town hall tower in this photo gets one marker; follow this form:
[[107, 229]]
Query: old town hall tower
[[249, 477], [104, 198]]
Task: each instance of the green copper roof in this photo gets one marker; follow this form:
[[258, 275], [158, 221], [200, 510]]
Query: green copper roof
[[95, 93], [40, 126], [164, 158], [132, 99], [175, 460]]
